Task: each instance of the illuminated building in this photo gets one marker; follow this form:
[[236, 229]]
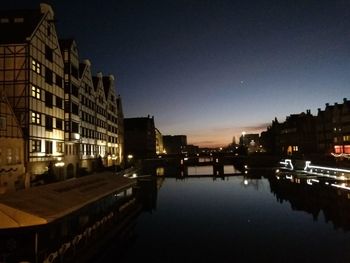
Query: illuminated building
[[12, 170], [112, 120], [71, 105], [120, 130], [333, 129], [159, 142], [68, 119], [32, 78]]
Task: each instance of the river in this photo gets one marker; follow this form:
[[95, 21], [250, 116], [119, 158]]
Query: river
[[254, 217]]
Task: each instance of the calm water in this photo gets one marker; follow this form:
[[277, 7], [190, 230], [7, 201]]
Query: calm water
[[240, 219]]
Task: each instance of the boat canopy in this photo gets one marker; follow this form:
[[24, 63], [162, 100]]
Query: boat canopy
[[44, 204]]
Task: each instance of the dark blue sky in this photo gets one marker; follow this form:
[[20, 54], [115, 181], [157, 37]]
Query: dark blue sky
[[212, 69]]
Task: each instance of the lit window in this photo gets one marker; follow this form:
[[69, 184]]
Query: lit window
[[346, 138], [36, 146], [36, 92], [4, 20], [59, 147], [36, 66], [338, 149], [36, 118], [295, 148]]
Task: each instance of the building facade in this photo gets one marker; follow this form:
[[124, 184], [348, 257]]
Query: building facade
[[68, 119], [174, 144]]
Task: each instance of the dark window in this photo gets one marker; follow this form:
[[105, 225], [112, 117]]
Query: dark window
[[59, 124], [75, 91], [67, 88], [75, 127], [75, 109], [59, 103], [48, 122], [66, 68], [75, 72], [66, 106], [48, 76], [59, 81], [48, 99], [48, 53], [48, 147]]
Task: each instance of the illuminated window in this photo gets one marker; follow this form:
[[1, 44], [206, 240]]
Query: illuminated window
[[36, 93], [346, 138], [18, 20], [59, 147], [36, 118], [36, 146], [347, 149], [9, 156], [338, 149], [36, 66], [295, 148]]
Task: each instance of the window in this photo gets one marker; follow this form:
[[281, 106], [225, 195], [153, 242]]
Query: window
[[346, 138], [18, 20], [2, 123], [36, 93], [295, 148], [48, 123], [36, 118], [75, 91], [36, 66], [48, 147], [75, 127], [59, 81], [75, 72], [75, 109], [48, 76], [36, 146], [66, 106], [48, 53], [59, 102], [59, 124], [48, 99], [59, 147]]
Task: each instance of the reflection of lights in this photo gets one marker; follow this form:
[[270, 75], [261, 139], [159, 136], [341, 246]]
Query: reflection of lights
[[290, 177], [342, 186], [246, 172], [245, 182], [186, 159], [308, 181], [326, 183], [288, 162], [130, 156], [277, 171], [134, 175], [277, 177], [245, 166], [315, 180]]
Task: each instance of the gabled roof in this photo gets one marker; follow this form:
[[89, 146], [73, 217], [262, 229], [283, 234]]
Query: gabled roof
[[21, 25]]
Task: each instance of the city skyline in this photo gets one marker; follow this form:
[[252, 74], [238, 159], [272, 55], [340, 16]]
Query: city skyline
[[212, 70]]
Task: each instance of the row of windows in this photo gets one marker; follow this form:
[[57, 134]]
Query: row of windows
[[49, 75], [36, 146], [36, 93], [92, 134], [113, 129], [36, 119], [112, 139]]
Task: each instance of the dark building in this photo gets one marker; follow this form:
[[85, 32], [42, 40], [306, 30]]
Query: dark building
[[174, 144], [140, 137]]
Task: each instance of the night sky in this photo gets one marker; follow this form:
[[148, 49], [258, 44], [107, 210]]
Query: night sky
[[212, 69]]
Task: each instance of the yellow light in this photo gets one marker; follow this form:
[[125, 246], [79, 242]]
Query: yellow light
[[59, 164], [130, 156]]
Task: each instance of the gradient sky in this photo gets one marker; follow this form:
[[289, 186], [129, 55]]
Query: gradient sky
[[212, 69]]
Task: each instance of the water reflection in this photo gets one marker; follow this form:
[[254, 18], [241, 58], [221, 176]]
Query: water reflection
[[253, 217]]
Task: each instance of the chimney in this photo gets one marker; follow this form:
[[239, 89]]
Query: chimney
[[327, 104], [345, 100]]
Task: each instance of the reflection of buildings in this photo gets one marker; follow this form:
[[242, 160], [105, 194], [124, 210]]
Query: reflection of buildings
[[333, 202], [66, 121], [174, 144]]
